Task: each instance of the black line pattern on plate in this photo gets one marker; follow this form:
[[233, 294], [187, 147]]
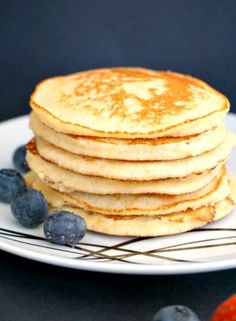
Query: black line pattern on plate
[[103, 253]]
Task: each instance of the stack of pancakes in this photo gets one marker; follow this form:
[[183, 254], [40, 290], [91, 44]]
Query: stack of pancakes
[[133, 151]]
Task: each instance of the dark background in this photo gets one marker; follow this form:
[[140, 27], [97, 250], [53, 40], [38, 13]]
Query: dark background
[[43, 38]]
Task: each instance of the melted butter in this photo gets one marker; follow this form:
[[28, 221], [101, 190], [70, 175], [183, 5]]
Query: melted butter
[[145, 90]]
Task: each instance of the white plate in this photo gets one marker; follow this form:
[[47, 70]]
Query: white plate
[[207, 249]]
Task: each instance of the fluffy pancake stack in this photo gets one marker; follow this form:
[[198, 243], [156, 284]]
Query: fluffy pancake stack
[[133, 151]]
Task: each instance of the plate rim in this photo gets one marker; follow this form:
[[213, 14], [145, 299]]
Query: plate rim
[[118, 268]]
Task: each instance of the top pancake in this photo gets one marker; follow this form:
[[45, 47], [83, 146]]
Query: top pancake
[[128, 103]]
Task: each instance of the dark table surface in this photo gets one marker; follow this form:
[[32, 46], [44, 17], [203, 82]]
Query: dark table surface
[[43, 38], [36, 291]]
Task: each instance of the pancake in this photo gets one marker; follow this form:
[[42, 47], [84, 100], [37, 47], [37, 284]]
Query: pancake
[[164, 148], [158, 225], [128, 103], [135, 152], [68, 181], [150, 204], [138, 171]]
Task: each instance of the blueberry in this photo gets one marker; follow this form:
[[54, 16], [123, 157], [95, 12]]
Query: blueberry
[[19, 160], [175, 313], [63, 227], [11, 184], [30, 208]]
